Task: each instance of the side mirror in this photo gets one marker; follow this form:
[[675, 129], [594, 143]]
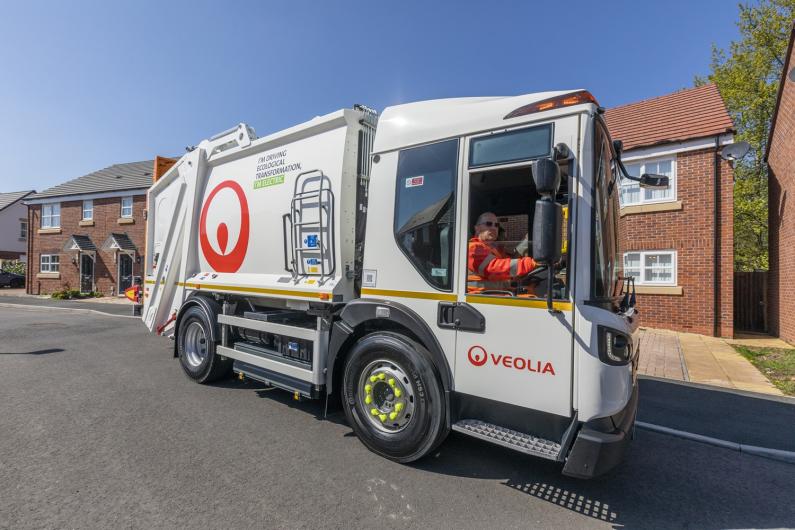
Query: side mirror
[[547, 229], [546, 175], [653, 182], [548, 218], [547, 221], [618, 147]]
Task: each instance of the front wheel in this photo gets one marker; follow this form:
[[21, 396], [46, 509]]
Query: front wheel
[[392, 397]]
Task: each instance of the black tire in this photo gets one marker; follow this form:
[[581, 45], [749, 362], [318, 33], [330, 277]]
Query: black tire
[[204, 365], [426, 428]]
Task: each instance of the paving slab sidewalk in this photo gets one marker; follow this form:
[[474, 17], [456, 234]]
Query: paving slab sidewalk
[[706, 360], [661, 355]]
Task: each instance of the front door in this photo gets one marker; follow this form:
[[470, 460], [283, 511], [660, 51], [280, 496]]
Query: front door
[[524, 356], [125, 272], [86, 273]]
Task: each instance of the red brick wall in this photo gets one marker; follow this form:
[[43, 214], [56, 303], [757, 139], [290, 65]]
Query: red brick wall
[[690, 232], [781, 197], [106, 220]]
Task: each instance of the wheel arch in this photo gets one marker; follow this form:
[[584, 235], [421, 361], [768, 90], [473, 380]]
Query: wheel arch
[[358, 319], [208, 306]]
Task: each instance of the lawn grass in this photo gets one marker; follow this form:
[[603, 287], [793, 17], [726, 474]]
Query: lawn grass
[[777, 364]]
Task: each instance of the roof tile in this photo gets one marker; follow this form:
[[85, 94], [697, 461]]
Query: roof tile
[[7, 199], [117, 177], [691, 113]]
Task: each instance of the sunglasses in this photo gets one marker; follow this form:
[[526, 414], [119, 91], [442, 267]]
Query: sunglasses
[[490, 224]]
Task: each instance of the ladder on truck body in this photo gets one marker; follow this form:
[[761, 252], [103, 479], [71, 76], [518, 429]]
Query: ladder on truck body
[[311, 217]]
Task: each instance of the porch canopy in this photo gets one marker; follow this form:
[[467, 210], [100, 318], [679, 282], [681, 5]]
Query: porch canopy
[[78, 243], [121, 242]]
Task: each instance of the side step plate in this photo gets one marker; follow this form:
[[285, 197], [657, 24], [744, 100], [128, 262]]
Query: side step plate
[[518, 441], [285, 382]]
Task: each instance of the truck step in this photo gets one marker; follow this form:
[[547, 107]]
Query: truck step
[[283, 381], [518, 441]]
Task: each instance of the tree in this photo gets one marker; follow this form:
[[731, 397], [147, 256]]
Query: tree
[[747, 76]]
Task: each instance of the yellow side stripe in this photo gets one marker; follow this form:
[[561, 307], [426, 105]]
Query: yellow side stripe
[[255, 290], [422, 295], [516, 302]]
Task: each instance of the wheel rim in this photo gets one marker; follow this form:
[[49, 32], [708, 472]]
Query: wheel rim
[[195, 345], [386, 395]]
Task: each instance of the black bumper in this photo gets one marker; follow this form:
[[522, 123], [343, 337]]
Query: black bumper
[[600, 444]]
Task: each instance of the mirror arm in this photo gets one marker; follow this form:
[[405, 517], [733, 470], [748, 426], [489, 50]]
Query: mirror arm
[[550, 280], [624, 173]]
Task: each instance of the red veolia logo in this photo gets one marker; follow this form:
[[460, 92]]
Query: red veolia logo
[[231, 260], [478, 356]]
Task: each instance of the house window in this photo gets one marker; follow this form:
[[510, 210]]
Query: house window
[[23, 229], [633, 194], [51, 215], [651, 268], [88, 210], [126, 206], [50, 263]]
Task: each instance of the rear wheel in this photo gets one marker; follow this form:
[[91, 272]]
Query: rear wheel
[[197, 354], [393, 398]]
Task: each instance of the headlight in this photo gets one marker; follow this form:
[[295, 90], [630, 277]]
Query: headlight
[[615, 348]]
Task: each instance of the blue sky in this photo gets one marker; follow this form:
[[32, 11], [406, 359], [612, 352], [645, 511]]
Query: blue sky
[[84, 85]]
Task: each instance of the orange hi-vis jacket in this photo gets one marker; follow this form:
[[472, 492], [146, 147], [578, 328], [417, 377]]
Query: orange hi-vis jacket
[[491, 269]]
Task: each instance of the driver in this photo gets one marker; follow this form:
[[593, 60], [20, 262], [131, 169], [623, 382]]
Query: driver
[[489, 267]]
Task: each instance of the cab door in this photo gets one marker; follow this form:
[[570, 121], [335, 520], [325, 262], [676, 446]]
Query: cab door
[[523, 355]]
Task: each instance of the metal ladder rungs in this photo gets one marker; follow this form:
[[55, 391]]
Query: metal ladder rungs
[[518, 441]]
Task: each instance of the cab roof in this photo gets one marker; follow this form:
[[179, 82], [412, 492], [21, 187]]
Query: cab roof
[[421, 122]]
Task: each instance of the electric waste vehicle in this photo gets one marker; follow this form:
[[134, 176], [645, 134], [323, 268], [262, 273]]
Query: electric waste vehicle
[[330, 260]]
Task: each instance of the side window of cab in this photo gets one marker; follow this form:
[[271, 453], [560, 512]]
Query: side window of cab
[[424, 223]]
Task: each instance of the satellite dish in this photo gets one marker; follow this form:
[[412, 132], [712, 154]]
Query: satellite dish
[[735, 151], [791, 75]]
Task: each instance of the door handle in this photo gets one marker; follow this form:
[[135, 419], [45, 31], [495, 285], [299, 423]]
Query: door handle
[[460, 316]]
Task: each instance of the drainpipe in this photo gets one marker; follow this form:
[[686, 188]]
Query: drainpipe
[[716, 243]]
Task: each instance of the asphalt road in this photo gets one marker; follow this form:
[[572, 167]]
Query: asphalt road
[[100, 428], [124, 309]]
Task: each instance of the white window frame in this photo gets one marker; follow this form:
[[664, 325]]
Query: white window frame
[[48, 220], [641, 280], [23, 229], [125, 198], [48, 265], [88, 206], [651, 160]]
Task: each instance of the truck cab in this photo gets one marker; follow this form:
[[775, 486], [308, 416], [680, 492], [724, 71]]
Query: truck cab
[[517, 365]]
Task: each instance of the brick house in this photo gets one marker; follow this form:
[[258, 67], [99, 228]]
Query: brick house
[[780, 158], [88, 233], [679, 243], [13, 226]]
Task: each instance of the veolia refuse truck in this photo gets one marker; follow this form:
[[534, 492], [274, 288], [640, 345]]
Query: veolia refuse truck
[[330, 259]]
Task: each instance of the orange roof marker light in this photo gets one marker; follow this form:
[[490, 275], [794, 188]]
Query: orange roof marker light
[[566, 100]]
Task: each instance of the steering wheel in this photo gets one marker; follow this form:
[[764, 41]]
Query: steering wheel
[[538, 274]]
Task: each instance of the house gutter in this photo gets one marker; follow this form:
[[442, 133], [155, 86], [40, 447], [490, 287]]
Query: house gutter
[[716, 243]]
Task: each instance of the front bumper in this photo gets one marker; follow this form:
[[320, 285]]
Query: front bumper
[[600, 444]]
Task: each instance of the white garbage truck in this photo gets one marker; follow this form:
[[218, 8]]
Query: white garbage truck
[[346, 259]]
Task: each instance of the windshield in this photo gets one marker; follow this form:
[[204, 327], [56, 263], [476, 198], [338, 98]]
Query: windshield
[[606, 262]]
